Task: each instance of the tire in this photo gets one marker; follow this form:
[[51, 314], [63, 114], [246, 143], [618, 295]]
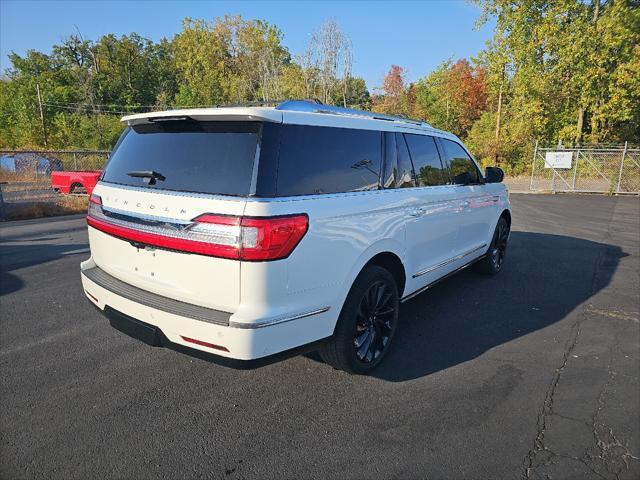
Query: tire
[[492, 262], [367, 323]]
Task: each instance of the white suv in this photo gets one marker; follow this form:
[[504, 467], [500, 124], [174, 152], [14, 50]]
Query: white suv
[[252, 232]]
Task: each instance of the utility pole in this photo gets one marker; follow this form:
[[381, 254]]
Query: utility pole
[[583, 108], [499, 117], [44, 129]]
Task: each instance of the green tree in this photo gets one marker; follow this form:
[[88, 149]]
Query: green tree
[[570, 69]]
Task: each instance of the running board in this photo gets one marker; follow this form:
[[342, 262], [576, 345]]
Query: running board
[[444, 277]]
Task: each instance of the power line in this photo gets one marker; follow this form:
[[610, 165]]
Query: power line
[[86, 109]]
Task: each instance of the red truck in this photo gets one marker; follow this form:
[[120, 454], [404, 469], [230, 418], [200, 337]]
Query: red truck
[[75, 182]]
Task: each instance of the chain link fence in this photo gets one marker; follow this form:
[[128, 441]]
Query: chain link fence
[[26, 190], [25, 176], [37, 166], [590, 170]]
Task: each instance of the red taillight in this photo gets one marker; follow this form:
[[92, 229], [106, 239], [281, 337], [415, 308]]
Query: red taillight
[[238, 238], [95, 199], [267, 238], [204, 344]]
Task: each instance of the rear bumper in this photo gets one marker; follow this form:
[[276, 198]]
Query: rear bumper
[[153, 336], [161, 321]]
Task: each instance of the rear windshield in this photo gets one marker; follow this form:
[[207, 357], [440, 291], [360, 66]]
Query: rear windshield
[[185, 155]]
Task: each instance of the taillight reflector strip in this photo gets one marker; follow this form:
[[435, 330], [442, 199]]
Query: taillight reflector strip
[[205, 344], [91, 296]]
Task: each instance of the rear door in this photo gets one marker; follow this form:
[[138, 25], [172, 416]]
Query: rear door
[[160, 177], [432, 221], [477, 206]]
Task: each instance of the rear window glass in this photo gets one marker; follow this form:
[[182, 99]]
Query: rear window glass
[[316, 160], [185, 155]]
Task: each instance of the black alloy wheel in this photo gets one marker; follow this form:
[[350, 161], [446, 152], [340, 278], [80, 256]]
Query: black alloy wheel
[[366, 324], [499, 244], [374, 322], [493, 260]]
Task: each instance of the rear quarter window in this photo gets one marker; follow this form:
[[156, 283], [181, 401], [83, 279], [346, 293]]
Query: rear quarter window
[[406, 177], [316, 160]]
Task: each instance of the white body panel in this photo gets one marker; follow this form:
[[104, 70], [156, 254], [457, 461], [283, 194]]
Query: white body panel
[[200, 280], [297, 300]]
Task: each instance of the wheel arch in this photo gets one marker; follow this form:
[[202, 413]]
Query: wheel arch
[[506, 214], [387, 254], [392, 263]]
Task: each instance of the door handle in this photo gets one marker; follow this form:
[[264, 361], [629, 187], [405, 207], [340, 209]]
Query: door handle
[[465, 204], [416, 212]]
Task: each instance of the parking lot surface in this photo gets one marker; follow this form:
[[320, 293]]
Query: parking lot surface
[[529, 374]]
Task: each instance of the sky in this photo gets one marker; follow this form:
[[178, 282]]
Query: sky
[[417, 35]]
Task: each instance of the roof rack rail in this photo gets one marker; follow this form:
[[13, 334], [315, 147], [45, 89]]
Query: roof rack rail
[[317, 107], [254, 103]]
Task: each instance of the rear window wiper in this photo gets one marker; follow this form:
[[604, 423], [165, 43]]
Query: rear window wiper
[[149, 176]]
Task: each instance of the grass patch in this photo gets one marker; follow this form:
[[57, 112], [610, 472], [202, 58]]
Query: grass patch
[[66, 205], [17, 177]]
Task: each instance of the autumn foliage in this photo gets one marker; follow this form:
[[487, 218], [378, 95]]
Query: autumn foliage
[[555, 71]]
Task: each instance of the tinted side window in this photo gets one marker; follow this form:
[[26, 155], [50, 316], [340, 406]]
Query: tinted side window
[[426, 160], [460, 163], [390, 170], [405, 167], [328, 160]]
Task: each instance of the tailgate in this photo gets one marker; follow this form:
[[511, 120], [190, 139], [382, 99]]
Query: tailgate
[[189, 277]]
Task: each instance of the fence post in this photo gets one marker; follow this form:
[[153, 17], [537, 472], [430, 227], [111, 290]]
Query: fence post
[[624, 152], [575, 170], [2, 212], [533, 165], [75, 162]]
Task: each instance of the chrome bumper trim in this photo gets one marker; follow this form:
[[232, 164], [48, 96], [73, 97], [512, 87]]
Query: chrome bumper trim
[[276, 321]]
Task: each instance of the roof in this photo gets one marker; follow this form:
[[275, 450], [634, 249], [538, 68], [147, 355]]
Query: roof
[[301, 112]]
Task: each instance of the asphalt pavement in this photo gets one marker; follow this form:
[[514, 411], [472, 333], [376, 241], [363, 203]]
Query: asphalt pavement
[[533, 373]]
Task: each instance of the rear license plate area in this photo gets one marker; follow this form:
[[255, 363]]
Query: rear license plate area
[[142, 331]]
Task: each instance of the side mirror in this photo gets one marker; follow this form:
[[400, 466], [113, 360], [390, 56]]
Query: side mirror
[[464, 178], [493, 175]]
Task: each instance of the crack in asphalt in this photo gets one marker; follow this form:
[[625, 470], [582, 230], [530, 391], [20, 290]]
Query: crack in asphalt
[[610, 451], [547, 406], [611, 448]]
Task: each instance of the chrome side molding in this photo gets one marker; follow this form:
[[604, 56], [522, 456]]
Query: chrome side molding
[[435, 282], [447, 262]]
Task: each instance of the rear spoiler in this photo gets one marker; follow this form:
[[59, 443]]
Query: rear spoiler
[[259, 114]]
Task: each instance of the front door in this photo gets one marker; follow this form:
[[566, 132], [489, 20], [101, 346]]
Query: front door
[[477, 205], [432, 214]]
